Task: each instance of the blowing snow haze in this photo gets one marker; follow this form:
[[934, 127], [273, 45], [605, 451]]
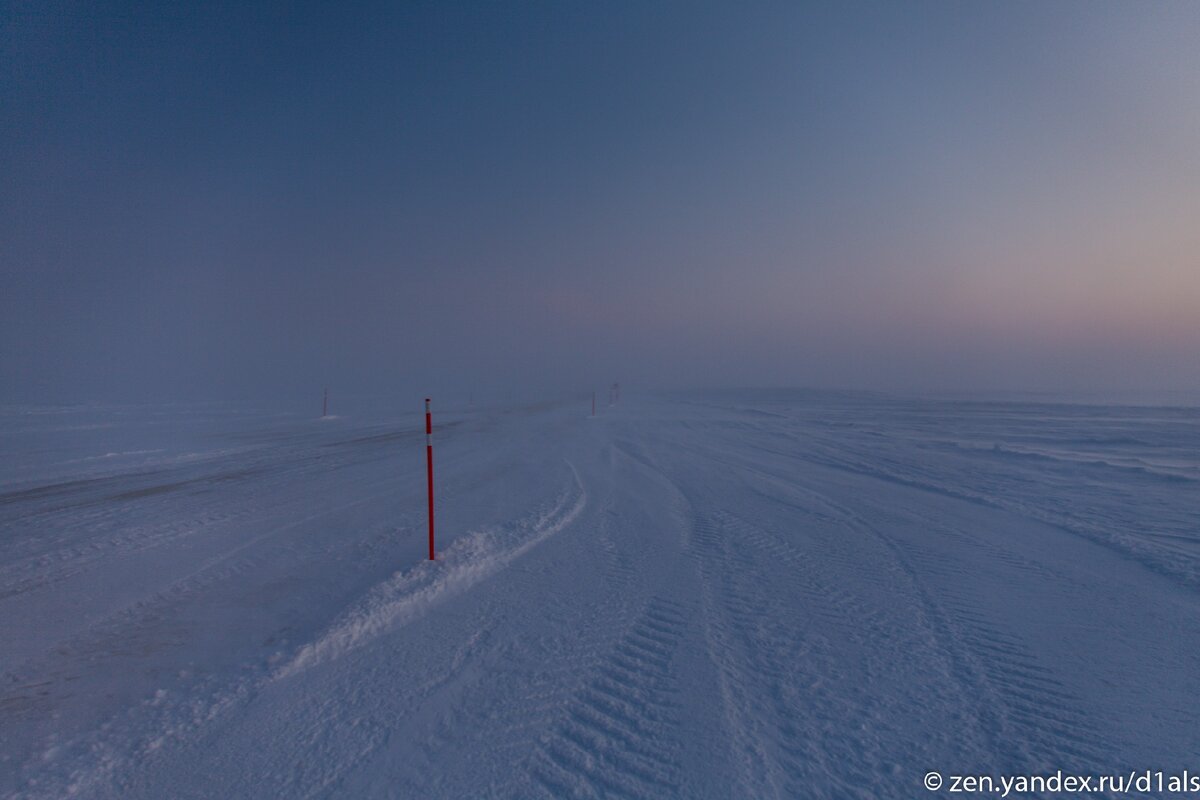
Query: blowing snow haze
[[234, 200]]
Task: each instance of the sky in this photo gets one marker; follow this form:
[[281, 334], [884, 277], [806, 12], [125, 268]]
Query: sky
[[257, 200]]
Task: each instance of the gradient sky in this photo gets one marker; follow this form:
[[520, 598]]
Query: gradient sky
[[254, 199]]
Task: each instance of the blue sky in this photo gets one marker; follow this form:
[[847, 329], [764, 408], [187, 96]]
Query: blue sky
[[227, 201]]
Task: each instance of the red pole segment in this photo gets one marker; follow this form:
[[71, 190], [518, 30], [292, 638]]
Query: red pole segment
[[429, 470]]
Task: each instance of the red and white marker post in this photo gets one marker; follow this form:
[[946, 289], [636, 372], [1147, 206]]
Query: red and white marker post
[[429, 470]]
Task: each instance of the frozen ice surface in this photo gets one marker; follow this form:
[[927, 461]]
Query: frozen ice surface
[[743, 594]]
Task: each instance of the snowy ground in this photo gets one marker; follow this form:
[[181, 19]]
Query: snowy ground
[[737, 595]]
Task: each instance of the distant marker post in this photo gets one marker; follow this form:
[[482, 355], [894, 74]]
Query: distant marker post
[[429, 469]]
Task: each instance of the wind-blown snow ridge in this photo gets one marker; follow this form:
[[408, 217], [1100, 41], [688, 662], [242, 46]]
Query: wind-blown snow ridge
[[408, 595]]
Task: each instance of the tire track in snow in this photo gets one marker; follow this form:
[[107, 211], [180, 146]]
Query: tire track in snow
[[1043, 725], [621, 733], [1036, 723], [811, 671], [747, 641], [1022, 710], [618, 564], [787, 733], [617, 735], [1029, 717], [749, 673]]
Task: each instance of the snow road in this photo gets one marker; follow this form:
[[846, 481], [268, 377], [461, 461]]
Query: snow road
[[744, 595]]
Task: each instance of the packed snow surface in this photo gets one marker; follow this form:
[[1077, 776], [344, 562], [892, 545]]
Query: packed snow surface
[[750, 595]]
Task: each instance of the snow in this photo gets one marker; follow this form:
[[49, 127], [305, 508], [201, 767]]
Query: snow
[[740, 594]]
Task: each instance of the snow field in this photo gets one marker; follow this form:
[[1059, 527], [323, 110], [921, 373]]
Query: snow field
[[750, 595]]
